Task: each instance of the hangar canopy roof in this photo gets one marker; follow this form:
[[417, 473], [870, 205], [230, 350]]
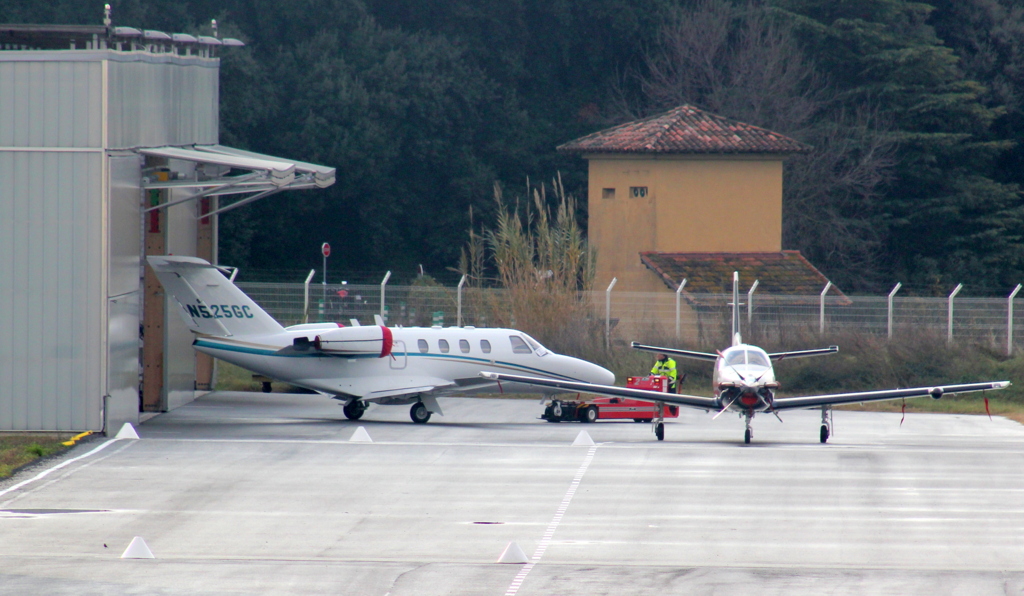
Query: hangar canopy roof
[[217, 174]]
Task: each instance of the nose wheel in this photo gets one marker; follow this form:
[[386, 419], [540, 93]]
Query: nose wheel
[[748, 433], [826, 423], [659, 420]]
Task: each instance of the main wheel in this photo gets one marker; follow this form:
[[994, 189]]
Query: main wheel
[[267, 387], [419, 413], [824, 433], [589, 414], [659, 431], [354, 409], [746, 436]]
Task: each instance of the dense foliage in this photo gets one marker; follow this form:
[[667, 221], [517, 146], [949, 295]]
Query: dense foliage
[[915, 110]]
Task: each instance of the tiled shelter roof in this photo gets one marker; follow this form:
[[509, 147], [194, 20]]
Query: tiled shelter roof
[[682, 130], [778, 273]]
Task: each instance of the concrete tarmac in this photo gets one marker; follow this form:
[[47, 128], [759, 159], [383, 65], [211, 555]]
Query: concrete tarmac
[[250, 493]]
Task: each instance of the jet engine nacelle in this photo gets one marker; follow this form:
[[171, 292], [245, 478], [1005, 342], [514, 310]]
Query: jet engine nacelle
[[355, 341]]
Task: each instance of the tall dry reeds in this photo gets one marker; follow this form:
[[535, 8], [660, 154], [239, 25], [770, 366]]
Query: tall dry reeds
[[542, 260]]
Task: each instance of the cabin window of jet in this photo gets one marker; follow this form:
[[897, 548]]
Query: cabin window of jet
[[607, 193], [422, 344], [485, 346], [519, 346], [464, 346], [638, 192], [443, 344]]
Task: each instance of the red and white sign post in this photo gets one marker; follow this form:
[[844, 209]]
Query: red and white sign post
[[325, 249]]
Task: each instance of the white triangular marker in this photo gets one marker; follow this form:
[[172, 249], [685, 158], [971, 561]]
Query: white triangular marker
[[127, 432], [513, 554], [360, 436], [137, 550], [583, 439]]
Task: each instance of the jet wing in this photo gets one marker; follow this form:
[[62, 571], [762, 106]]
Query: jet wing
[[690, 401], [376, 387], [810, 401], [674, 352]]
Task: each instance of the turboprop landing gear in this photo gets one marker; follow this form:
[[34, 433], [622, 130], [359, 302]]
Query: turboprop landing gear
[[419, 413], [826, 423], [749, 433], [659, 420], [354, 409]]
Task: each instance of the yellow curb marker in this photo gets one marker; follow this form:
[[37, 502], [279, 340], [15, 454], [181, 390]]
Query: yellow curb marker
[[76, 438]]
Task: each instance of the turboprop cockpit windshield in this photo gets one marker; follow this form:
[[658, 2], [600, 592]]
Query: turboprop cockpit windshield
[[747, 358]]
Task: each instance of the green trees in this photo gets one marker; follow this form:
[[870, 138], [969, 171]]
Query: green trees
[[916, 112], [946, 215]]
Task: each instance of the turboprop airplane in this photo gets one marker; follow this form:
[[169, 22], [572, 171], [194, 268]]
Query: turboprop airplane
[[358, 365], [744, 382]]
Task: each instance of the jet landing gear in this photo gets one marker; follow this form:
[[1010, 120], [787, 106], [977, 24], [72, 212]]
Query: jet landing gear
[[419, 413], [826, 423], [354, 409]]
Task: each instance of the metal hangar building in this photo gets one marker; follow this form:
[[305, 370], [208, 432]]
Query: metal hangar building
[[108, 152]]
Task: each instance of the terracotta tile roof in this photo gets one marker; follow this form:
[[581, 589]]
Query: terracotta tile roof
[[684, 130], [785, 273]]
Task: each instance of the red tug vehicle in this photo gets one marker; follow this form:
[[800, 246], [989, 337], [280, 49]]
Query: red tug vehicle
[[613, 408]]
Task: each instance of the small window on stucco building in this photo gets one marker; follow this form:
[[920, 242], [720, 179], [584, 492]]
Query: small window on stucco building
[[607, 193], [638, 192]]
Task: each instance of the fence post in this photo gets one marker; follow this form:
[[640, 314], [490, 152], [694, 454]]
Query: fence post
[[305, 301], [949, 316], [891, 295], [462, 282], [383, 283], [608, 314], [679, 291], [821, 315], [750, 306], [1009, 320]]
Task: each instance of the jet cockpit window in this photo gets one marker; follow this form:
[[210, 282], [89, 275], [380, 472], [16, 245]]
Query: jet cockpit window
[[422, 345], [756, 358], [485, 346], [443, 345], [519, 346], [539, 349], [464, 346]]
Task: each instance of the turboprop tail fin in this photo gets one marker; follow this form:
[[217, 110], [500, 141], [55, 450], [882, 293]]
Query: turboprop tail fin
[[208, 302], [736, 338]]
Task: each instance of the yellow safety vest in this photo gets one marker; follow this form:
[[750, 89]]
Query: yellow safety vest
[[666, 368]]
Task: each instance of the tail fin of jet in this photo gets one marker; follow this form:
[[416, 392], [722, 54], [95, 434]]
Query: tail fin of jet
[[736, 338], [209, 303]]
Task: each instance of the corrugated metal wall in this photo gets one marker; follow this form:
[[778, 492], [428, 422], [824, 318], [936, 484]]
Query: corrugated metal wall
[[70, 224], [162, 100], [52, 299]]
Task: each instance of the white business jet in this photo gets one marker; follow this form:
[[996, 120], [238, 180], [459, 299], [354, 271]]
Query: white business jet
[[744, 382], [359, 364]]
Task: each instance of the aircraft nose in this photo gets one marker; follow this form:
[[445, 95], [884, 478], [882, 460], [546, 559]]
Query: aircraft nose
[[599, 375]]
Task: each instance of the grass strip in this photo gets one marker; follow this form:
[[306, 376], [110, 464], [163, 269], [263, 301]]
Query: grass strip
[[18, 450]]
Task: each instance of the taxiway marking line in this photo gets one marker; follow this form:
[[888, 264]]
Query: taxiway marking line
[[553, 525], [63, 464]]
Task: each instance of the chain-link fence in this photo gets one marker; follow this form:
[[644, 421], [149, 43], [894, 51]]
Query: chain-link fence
[[703, 318]]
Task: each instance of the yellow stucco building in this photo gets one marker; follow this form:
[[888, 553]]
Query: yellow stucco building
[[681, 193], [684, 181]]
